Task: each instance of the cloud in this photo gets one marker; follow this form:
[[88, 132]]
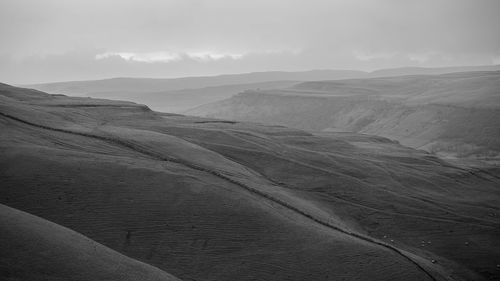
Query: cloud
[[201, 37], [164, 57], [368, 56], [205, 56]]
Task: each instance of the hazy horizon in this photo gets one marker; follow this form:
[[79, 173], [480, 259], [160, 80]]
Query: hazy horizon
[[56, 40], [269, 71]]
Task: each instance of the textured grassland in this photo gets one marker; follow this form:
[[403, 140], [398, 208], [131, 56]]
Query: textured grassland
[[209, 200]]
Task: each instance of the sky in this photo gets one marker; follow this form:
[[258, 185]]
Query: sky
[[61, 40]]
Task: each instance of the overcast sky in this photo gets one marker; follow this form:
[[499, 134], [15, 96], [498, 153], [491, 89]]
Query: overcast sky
[[57, 40]]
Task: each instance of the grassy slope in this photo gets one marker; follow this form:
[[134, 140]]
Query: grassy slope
[[452, 113], [36, 249], [210, 200]]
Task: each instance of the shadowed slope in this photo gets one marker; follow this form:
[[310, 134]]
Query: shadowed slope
[[210, 200], [36, 249]]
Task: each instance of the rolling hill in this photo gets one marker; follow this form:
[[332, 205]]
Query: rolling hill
[[35, 249], [179, 94], [208, 199], [177, 101], [455, 115]]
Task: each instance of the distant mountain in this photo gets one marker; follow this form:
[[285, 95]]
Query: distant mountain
[[179, 94], [208, 199], [455, 114]]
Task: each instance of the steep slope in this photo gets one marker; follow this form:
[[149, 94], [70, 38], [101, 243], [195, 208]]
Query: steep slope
[[217, 200], [36, 249], [453, 114]]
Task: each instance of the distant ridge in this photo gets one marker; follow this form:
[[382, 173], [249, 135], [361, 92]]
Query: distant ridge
[[180, 94], [168, 84], [429, 70], [453, 114]]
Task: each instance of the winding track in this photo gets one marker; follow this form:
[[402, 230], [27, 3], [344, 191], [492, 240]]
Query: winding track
[[157, 156]]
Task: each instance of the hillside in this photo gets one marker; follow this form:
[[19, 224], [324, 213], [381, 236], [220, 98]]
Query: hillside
[[206, 199], [180, 94], [455, 115], [35, 249], [177, 101]]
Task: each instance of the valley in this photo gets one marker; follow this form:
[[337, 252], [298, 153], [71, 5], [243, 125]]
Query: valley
[[455, 116], [208, 199]]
